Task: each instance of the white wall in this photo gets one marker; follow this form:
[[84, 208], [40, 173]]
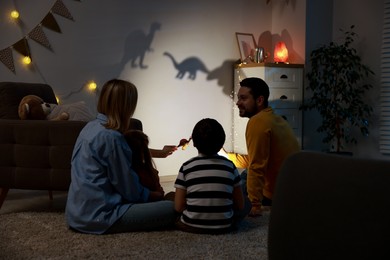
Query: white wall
[[289, 21], [92, 46]]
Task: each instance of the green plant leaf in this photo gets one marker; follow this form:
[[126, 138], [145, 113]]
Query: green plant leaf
[[336, 82]]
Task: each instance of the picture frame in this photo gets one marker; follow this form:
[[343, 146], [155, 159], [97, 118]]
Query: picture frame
[[246, 44]]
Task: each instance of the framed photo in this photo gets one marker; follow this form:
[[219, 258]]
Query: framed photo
[[246, 44]]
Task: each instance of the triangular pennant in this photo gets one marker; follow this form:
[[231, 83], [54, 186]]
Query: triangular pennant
[[60, 9], [22, 47], [7, 59], [50, 22], [39, 36]]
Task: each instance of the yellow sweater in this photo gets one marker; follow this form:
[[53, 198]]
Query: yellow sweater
[[270, 140]]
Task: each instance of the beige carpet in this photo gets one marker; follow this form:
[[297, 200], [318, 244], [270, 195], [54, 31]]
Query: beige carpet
[[44, 235]]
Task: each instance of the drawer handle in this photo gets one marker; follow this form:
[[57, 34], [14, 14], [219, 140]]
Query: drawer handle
[[283, 97], [284, 76]]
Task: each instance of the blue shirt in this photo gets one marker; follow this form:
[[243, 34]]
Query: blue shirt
[[103, 184]]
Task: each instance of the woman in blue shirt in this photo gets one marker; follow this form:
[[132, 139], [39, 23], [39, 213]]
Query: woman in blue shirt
[[105, 195]]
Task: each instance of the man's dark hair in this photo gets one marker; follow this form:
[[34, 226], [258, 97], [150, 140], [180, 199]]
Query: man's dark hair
[[258, 88], [208, 136]]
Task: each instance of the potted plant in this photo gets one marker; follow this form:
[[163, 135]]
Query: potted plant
[[336, 80]]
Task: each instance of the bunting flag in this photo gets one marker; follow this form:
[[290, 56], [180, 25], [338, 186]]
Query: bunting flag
[[60, 9], [7, 59], [37, 34], [22, 47], [50, 22]]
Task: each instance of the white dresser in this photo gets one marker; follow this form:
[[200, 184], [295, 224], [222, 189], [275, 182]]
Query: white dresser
[[286, 95]]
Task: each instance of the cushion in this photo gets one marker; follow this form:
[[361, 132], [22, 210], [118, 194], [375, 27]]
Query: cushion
[[78, 111]]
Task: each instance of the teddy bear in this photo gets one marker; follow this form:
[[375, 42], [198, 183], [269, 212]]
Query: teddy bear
[[34, 108]]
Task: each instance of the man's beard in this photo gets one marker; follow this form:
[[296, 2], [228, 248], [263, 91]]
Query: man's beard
[[247, 112]]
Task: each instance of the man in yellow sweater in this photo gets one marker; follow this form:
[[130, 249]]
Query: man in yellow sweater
[[269, 140]]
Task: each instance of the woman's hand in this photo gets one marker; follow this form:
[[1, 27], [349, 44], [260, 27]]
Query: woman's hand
[[168, 150], [163, 153]]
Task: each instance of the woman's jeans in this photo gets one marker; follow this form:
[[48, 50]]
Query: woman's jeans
[[146, 217]]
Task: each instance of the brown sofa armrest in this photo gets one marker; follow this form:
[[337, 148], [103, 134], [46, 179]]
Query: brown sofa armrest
[[36, 154]]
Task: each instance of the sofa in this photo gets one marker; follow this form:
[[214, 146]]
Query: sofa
[[35, 154], [328, 206]]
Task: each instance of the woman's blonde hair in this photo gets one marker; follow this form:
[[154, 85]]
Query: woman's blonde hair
[[118, 100]]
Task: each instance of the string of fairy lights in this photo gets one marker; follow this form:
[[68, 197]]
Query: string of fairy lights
[[15, 15], [38, 35]]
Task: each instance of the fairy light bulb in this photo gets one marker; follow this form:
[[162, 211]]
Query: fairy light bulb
[[92, 86], [14, 14], [27, 60]]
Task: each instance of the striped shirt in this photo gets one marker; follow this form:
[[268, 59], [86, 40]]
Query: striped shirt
[[209, 182]]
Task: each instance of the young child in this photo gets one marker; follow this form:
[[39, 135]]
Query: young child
[[208, 187], [142, 161]]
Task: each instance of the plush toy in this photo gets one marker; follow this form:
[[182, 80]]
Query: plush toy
[[34, 108]]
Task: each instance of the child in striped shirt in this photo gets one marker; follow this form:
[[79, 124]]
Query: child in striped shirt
[[208, 192]]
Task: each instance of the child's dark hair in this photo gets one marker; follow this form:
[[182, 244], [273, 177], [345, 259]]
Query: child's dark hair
[[139, 143], [208, 136]]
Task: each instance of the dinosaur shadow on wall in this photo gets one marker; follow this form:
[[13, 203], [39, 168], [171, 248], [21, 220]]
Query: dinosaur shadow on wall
[[137, 44], [188, 66], [224, 76], [192, 65]]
